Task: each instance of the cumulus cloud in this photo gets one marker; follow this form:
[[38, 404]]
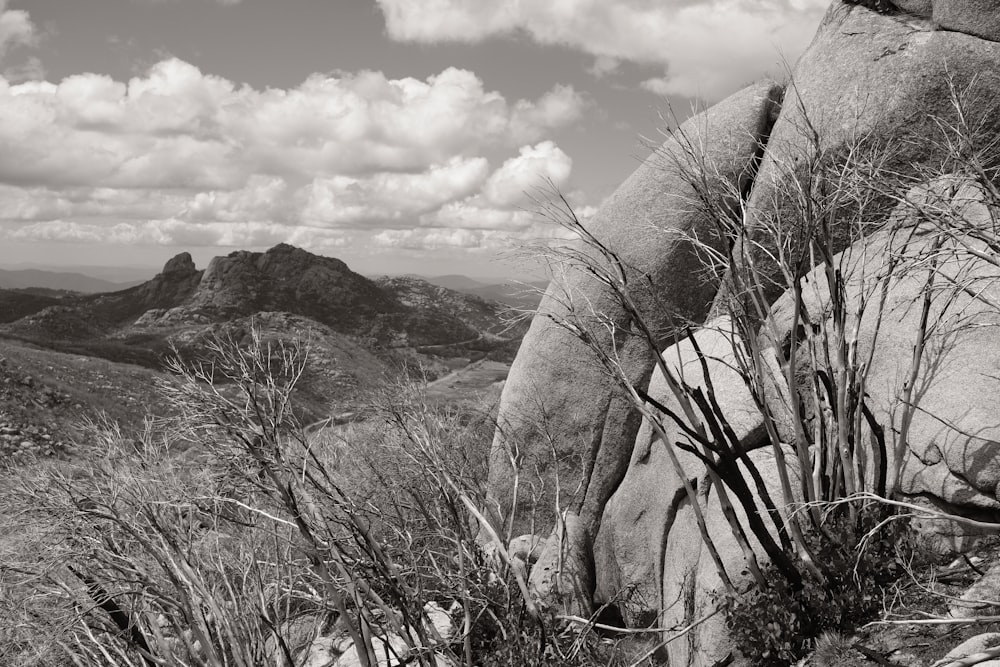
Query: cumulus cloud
[[178, 127], [707, 48], [534, 167], [15, 28], [180, 157], [175, 232], [393, 197]]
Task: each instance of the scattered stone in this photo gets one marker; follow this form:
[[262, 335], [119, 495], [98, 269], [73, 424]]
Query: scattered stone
[[975, 646], [563, 576], [980, 599]]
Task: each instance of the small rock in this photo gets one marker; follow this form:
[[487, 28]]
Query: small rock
[[563, 576], [980, 599], [975, 645]]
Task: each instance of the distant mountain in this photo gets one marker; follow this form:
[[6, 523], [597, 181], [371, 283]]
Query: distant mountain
[[457, 282], [512, 293], [182, 304], [440, 302], [57, 280], [97, 315]]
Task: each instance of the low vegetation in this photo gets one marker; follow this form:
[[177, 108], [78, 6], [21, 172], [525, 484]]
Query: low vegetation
[[224, 535]]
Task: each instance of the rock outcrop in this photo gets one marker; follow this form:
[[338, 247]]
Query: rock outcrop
[[292, 280], [870, 83], [953, 447], [980, 18], [648, 555], [167, 289], [560, 412], [638, 519], [887, 85]]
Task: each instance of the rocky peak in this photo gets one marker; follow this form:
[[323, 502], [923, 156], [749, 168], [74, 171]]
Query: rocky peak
[[179, 266], [286, 278]]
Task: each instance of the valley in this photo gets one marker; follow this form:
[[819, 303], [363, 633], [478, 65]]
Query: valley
[[68, 358]]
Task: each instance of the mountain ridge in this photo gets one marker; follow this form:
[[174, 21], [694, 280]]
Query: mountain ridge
[[184, 302]]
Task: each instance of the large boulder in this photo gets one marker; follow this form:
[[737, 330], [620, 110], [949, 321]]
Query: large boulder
[[649, 555], [952, 453], [973, 17], [868, 82], [561, 416], [639, 517], [694, 578]]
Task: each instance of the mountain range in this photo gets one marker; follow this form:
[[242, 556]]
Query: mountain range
[[94, 279], [360, 330]]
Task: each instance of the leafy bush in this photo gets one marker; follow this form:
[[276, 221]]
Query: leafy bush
[[777, 625]]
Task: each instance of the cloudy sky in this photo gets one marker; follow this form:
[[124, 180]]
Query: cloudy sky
[[398, 135]]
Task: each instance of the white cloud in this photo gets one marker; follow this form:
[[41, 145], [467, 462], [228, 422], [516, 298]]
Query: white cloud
[[392, 197], [15, 28], [174, 232], [177, 127], [536, 166], [198, 159], [707, 47]]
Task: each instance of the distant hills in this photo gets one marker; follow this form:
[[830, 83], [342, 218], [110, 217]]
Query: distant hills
[[58, 280], [512, 293], [91, 280], [359, 328], [392, 311]]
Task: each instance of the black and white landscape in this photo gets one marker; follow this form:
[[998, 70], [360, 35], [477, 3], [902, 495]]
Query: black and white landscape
[[461, 333]]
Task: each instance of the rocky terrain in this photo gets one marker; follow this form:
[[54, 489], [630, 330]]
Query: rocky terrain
[[767, 402], [880, 97], [67, 356], [183, 303], [47, 397]]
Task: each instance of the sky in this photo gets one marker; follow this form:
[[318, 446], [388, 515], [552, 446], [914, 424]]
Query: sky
[[402, 136]]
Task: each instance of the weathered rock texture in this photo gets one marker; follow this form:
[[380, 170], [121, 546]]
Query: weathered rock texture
[[638, 518], [564, 571], [953, 448], [871, 84], [972, 17], [561, 413], [874, 82], [974, 650], [649, 555]]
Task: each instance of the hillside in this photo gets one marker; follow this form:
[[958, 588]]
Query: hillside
[[362, 334], [439, 302], [18, 303], [139, 323]]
